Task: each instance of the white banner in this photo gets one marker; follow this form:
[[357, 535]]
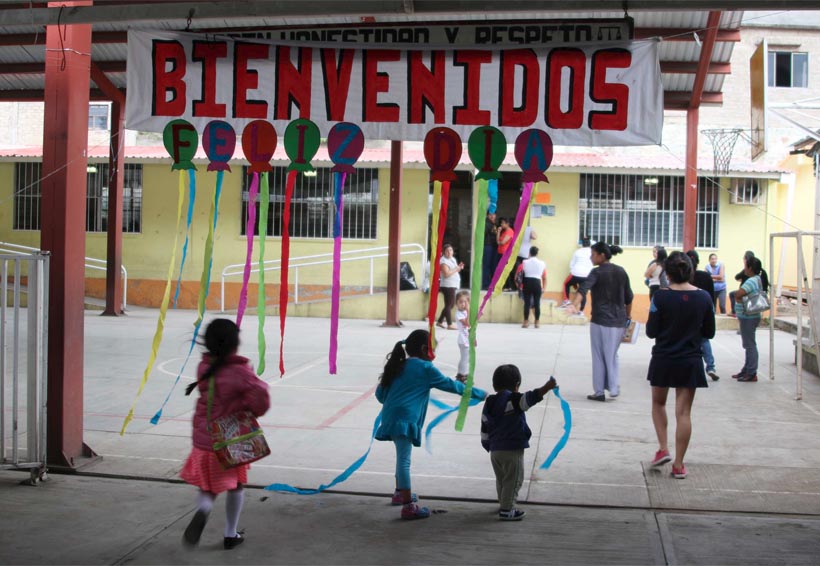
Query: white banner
[[607, 94]]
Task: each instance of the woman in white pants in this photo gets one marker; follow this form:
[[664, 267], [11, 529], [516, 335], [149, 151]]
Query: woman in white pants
[[611, 312]]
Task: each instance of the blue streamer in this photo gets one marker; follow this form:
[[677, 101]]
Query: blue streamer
[[339, 179], [191, 199], [448, 410], [339, 479], [158, 415], [492, 191], [564, 437]]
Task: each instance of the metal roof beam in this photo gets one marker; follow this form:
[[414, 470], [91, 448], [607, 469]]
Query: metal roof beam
[[680, 100], [36, 95], [98, 37], [40, 68], [687, 68], [706, 49], [683, 34]]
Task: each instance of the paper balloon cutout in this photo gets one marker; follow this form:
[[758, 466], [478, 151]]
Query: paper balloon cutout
[[533, 152], [258, 145], [442, 150], [180, 140], [487, 147], [345, 143], [301, 144], [219, 141]]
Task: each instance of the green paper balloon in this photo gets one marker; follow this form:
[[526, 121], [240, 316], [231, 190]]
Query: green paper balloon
[[487, 148], [301, 144], [181, 140]]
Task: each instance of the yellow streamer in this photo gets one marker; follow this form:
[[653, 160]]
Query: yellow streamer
[[163, 307], [519, 236]]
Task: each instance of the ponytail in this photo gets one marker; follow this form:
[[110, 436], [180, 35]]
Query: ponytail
[[415, 345], [222, 341]]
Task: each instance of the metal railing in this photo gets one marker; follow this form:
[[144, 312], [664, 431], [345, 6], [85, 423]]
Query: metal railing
[[90, 263], [369, 255], [23, 360]]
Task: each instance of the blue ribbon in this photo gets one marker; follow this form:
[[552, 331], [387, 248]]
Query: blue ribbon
[[564, 437], [158, 415], [191, 199], [492, 191], [338, 479], [448, 410]]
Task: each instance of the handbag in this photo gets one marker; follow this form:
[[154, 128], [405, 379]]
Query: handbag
[[631, 332], [237, 438], [756, 303]]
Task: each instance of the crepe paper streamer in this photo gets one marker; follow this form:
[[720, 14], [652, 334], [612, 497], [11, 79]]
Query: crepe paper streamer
[[162, 309], [345, 144], [338, 199], [250, 225], [191, 199], [432, 343], [442, 151], [283, 271], [338, 479], [448, 410], [533, 152], [505, 264], [481, 200], [204, 287], [261, 301], [562, 442]]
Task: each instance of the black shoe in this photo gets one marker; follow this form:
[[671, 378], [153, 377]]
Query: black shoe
[[231, 542], [713, 375], [738, 375], [748, 378], [194, 530], [600, 398]]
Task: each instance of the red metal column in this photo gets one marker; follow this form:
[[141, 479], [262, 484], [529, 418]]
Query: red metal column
[[690, 189], [394, 234], [62, 221]]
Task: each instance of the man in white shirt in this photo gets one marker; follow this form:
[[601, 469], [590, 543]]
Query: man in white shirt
[[579, 268]]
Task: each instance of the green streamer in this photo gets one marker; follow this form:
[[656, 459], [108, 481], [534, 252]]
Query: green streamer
[[480, 200], [264, 198]]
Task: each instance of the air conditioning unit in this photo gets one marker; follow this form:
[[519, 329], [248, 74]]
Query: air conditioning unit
[[746, 191]]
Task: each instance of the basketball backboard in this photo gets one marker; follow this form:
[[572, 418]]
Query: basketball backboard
[[757, 85]]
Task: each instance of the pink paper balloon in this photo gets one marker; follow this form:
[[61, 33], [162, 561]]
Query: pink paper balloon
[[442, 150], [258, 144], [345, 144], [219, 141], [533, 152]]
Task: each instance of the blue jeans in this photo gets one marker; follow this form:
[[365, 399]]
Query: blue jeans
[[403, 449], [708, 358], [748, 326]]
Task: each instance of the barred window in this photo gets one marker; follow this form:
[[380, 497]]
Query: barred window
[[745, 191], [643, 210], [312, 206], [27, 197], [97, 198], [98, 116]]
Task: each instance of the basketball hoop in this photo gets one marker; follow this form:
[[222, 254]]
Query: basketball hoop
[[723, 144]]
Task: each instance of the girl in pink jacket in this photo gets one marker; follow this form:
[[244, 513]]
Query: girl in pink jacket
[[236, 389]]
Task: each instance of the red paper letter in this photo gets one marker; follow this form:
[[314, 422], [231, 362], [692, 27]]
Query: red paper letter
[[293, 84], [166, 81], [524, 115], [337, 81], [425, 89], [208, 53], [575, 61], [374, 82], [247, 79], [615, 94], [470, 114]]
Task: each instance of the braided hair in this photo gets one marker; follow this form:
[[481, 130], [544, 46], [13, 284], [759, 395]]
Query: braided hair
[[415, 345], [221, 341]]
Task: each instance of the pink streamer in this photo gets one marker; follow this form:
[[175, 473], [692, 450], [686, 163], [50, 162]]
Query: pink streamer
[[337, 268], [526, 193], [249, 229]]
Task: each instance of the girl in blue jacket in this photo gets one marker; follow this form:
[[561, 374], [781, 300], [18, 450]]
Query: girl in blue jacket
[[404, 390]]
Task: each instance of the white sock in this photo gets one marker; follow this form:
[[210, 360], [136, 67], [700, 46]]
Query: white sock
[[204, 502], [233, 508]]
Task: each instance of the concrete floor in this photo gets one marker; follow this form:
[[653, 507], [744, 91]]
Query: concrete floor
[[752, 495]]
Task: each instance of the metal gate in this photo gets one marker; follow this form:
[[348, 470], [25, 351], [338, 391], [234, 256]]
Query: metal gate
[[23, 356]]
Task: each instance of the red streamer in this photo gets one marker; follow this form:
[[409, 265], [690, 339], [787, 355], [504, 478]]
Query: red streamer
[[434, 279], [283, 272]]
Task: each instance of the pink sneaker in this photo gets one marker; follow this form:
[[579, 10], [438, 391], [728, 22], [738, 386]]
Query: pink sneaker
[[396, 499], [412, 511], [679, 473], [661, 458]]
